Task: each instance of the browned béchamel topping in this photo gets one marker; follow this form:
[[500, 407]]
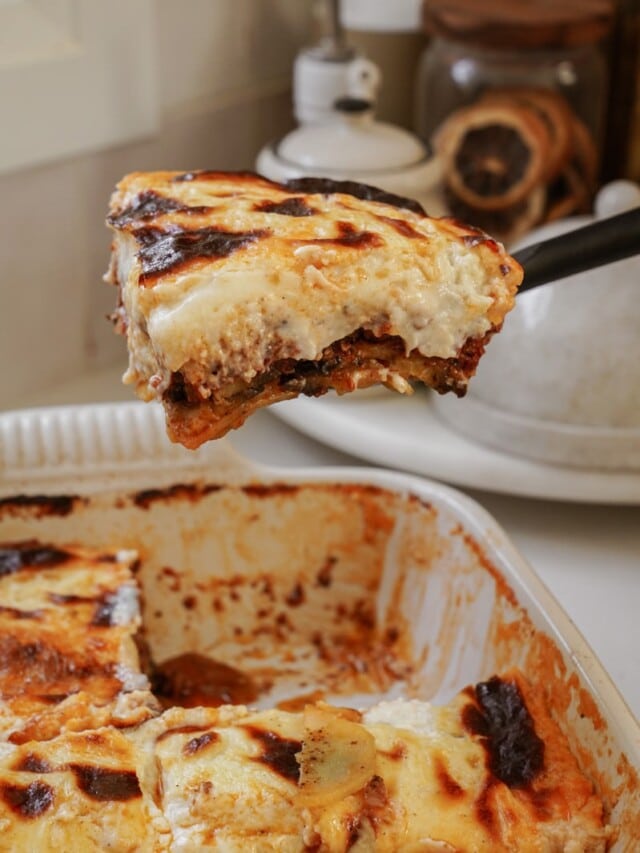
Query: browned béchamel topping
[[236, 292]]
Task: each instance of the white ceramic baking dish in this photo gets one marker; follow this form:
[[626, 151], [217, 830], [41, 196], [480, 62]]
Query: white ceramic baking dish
[[350, 584]]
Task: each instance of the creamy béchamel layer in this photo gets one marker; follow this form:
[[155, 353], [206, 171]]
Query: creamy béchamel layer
[[237, 291]]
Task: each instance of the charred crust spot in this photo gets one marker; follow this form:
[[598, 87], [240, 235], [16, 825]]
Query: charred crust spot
[[40, 505], [164, 251], [515, 753], [365, 192], [294, 206], [447, 783], [359, 239], [505, 269], [278, 753], [310, 186], [62, 599], [180, 730], [148, 205], [474, 721], [258, 490], [197, 744], [484, 810], [29, 801], [180, 491], [30, 554], [349, 237], [402, 227], [50, 699], [105, 783], [32, 763], [104, 605]]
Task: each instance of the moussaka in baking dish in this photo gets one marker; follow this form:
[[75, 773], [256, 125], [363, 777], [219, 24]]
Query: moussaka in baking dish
[[89, 761]]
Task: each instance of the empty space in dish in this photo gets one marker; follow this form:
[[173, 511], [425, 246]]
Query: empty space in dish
[[346, 585], [343, 590]]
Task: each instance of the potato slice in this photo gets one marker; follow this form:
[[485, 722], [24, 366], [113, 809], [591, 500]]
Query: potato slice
[[337, 759]]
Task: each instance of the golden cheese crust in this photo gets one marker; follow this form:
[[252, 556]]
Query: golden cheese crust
[[68, 659], [401, 777], [237, 292]]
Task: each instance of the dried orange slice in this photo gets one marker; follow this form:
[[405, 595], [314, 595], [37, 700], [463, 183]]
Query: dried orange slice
[[493, 153], [554, 111]]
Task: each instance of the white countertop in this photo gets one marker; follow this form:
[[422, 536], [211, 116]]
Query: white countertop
[[588, 555]]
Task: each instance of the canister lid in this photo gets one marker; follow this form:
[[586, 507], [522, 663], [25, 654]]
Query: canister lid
[[352, 140], [509, 24]]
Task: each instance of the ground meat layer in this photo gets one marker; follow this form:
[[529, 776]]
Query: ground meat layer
[[358, 361]]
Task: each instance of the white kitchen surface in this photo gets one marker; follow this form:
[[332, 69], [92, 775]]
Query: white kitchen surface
[[587, 554]]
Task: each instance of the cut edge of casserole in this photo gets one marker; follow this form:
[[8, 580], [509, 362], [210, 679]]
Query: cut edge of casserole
[[237, 292], [68, 657]]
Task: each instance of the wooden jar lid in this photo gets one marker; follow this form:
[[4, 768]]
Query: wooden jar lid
[[518, 24]]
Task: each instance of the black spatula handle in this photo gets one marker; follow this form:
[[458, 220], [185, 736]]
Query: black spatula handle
[[604, 242]]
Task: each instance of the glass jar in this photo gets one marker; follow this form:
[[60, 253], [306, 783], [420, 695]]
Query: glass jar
[[512, 96]]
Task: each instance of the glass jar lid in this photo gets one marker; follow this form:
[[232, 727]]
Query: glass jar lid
[[509, 24]]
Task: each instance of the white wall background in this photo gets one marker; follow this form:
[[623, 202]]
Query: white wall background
[[221, 76]]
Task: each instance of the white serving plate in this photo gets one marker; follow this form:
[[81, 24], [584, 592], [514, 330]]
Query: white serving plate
[[408, 433], [413, 555], [558, 384]]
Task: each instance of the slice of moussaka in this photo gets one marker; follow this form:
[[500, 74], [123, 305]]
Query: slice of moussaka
[[68, 658], [488, 772], [237, 292]]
